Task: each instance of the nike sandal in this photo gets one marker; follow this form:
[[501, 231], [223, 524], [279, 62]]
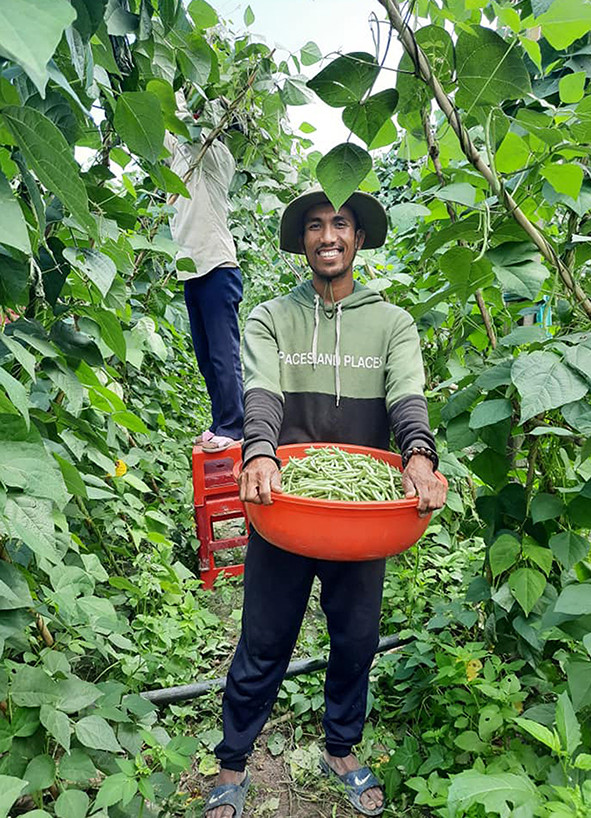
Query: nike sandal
[[356, 783], [228, 795]]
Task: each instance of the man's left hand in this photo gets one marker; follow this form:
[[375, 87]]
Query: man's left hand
[[419, 478]]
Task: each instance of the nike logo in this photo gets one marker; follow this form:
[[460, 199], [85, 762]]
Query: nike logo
[[359, 782]]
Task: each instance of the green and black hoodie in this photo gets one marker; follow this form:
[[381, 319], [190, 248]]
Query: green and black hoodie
[[342, 375]]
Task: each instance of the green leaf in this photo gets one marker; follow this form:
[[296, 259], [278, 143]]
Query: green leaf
[[72, 804], [346, 80], [249, 17], [489, 69], [165, 93], [366, 118], [195, 60], [503, 553], [14, 591], [32, 687], [97, 266], [565, 21], [540, 733], [518, 267], [579, 358], [16, 393], [494, 792], [544, 383], [40, 773], [75, 694], [29, 519], [202, 14], [24, 462], [115, 788], [567, 725], [582, 761], [564, 178], [138, 120], [57, 725], [512, 154], [90, 16], [74, 482], [76, 766], [460, 192], [527, 586], [574, 600], [572, 87], [130, 421], [25, 721], [579, 683], [10, 789], [542, 557], [30, 31], [341, 171], [489, 412], [111, 331], [559, 431], [50, 157], [569, 548], [296, 92], [310, 54], [13, 227], [546, 507], [24, 358], [96, 733]]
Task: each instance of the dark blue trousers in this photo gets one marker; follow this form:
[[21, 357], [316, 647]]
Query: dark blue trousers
[[212, 303], [277, 587]]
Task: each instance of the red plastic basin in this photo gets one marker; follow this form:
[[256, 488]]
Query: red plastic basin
[[336, 529]]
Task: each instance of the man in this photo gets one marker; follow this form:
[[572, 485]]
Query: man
[[329, 362], [213, 289]]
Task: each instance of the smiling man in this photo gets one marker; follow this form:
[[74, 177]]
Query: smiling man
[[330, 362]]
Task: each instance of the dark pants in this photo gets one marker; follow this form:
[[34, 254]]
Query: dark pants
[[212, 303], [277, 586]]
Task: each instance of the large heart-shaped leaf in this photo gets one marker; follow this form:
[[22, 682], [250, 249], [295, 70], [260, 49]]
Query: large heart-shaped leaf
[[366, 118], [138, 120], [489, 69], [341, 171], [544, 383], [346, 80]]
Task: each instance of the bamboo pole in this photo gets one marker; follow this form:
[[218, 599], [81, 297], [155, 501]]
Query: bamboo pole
[[424, 72]]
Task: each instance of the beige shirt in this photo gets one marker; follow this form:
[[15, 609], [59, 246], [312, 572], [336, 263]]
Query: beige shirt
[[200, 224]]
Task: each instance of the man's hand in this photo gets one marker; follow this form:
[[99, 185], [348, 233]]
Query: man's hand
[[258, 479], [419, 478]]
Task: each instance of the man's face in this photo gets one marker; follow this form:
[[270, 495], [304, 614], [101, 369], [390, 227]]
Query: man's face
[[330, 240]]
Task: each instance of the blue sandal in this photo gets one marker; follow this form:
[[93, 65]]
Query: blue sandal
[[356, 783], [228, 795]]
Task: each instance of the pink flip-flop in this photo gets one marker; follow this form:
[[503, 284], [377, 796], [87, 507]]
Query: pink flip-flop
[[217, 443], [203, 437]]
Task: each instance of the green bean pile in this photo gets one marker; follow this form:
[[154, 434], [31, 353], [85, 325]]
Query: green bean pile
[[333, 474]]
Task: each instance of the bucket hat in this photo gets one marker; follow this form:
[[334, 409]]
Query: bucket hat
[[371, 218]]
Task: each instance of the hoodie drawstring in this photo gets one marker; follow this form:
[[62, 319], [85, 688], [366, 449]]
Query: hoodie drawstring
[[315, 335], [337, 353]]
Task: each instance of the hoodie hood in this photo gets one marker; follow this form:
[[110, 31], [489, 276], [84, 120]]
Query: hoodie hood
[[306, 295]]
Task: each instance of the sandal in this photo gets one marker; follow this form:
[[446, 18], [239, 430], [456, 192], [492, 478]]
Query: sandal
[[356, 783], [218, 443], [228, 795], [203, 437]]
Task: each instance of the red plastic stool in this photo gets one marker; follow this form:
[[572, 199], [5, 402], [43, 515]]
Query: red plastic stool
[[216, 498]]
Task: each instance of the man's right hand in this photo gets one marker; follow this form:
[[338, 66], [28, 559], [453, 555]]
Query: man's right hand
[[258, 479]]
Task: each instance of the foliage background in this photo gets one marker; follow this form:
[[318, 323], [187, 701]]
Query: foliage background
[[486, 710]]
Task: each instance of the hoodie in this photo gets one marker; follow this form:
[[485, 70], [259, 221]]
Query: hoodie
[[342, 374]]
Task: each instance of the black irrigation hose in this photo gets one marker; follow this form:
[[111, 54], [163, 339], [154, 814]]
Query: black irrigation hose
[[169, 695]]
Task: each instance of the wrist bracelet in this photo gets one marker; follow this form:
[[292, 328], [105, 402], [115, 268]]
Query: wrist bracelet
[[425, 451]]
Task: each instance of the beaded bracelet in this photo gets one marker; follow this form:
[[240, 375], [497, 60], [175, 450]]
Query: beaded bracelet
[[426, 452]]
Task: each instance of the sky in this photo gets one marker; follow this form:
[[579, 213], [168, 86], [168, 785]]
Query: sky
[[334, 25]]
